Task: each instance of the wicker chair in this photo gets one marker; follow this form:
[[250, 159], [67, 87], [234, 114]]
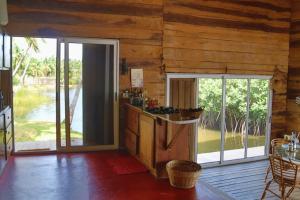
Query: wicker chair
[[285, 174], [275, 143]]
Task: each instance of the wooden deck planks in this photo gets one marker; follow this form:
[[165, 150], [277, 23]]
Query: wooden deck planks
[[241, 181]]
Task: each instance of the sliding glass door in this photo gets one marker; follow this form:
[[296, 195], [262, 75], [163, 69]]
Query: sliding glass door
[[89, 100], [235, 124], [258, 117], [209, 129]]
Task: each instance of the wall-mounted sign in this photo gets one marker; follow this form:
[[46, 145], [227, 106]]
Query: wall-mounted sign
[[137, 79]]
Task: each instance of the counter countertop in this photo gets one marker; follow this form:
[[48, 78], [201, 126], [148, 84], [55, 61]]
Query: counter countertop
[[175, 118]]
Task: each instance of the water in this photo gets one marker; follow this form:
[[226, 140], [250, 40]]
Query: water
[[47, 113]]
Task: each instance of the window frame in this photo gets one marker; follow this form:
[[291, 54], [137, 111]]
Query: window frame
[[170, 76]]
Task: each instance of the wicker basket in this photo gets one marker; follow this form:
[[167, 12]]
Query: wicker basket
[[183, 174]]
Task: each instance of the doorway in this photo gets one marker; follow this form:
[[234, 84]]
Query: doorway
[[65, 94], [88, 106], [235, 124], [33, 75]]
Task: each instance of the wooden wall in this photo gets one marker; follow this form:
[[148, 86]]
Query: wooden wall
[[293, 110], [136, 23], [195, 36], [183, 93], [229, 36]]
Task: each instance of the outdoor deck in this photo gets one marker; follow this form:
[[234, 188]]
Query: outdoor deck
[[230, 154], [241, 181]]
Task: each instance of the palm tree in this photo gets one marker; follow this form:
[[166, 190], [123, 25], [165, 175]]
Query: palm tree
[[32, 43]]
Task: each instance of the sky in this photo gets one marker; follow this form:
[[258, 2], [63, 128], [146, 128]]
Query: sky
[[48, 48]]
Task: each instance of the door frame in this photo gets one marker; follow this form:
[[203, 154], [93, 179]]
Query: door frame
[[68, 147], [30, 151], [170, 76]]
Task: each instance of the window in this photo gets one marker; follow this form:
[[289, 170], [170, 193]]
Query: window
[[235, 124]]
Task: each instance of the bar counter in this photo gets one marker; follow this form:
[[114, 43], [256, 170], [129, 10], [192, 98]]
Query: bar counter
[[155, 139]]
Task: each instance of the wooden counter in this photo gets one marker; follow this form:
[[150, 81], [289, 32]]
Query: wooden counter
[[155, 140]]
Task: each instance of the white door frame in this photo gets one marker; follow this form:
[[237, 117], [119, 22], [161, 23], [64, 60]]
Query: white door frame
[[169, 76], [68, 147]]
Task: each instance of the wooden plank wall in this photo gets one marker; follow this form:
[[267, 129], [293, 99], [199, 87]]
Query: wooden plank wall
[[136, 23], [293, 110], [229, 36], [195, 36], [183, 93]]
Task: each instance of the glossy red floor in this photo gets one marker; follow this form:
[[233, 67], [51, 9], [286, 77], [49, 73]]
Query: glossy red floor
[[85, 176]]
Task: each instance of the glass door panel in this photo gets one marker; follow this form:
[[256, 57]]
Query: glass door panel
[[258, 112], [86, 91], [75, 94], [91, 94], [61, 91], [235, 119], [34, 91], [209, 129], [235, 123]]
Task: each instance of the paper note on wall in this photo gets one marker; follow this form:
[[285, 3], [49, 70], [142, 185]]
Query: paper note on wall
[[137, 79]]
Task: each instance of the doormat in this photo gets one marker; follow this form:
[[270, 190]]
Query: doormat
[[126, 164]]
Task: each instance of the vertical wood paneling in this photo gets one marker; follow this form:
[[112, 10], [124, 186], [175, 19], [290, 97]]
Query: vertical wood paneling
[[182, 93], [293, 110]]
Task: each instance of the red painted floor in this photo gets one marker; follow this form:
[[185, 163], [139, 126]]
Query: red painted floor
[[84, 176]]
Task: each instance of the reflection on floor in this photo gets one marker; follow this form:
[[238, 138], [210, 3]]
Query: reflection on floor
[[242, 181], [230, 154], [87, 176], [43, 145]]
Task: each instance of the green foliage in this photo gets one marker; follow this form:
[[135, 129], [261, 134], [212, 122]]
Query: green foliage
[[42, 68], [75, 67], [258, 104], [28, 98], [210, 97], [210, 94], [45, 67]]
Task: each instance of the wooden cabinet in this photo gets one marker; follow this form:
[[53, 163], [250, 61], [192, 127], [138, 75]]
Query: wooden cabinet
[[6, 141], [2, 146], [131, 142], [7, 128], [132, 119], [155, 141], [131, 129], [147, 128]]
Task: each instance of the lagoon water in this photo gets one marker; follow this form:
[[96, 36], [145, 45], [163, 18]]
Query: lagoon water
[[47, 113]]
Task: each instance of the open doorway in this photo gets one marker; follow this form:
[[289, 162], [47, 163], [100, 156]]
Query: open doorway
[[87, 85], [65, 94], [34, 64]]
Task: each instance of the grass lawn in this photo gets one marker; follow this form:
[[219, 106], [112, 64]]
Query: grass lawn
[[27, 99], [210, 141], [36, 131]]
